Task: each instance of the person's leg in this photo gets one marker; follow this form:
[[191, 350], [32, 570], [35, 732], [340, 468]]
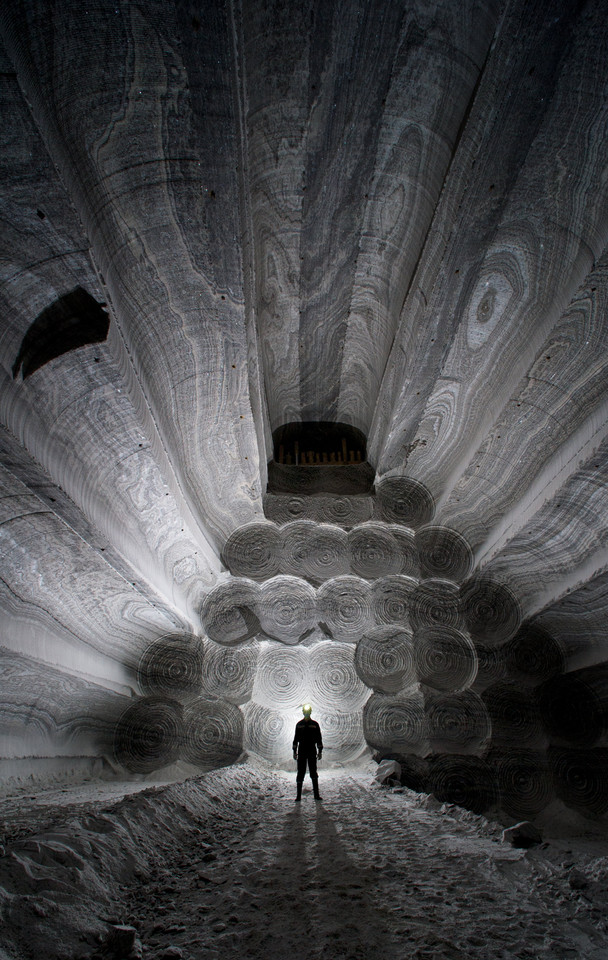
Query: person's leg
[[300, 775], [312, 767]]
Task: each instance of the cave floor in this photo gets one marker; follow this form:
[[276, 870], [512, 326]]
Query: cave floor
[[366, 873]]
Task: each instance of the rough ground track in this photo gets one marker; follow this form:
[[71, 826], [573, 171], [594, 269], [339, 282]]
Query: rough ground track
[[366, 873]]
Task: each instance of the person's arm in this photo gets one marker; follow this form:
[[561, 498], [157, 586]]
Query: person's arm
[[295, 744], [319, 742]]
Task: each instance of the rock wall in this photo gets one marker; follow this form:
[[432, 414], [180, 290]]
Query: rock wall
[[219, 222]]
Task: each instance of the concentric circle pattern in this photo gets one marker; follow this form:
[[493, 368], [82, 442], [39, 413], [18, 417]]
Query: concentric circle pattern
[[333, 680], [149, 734], [287, 608], [404, 500], [230, 671], [344, 511], [282, 508], [373, 551], [491, 666], [466, 781], [254, 550], [385, 659], [343, 740], [533, 656], [514, 713], [281, 680], [344, 607], [391, 599], [458, 723], [229, 611], [435, 603], [445, 658], [524, 782], [375, 622], [580, 778], [295, 538], [172, 666], [443, 553], [491, 611], [408, 552], [213, 733], [268, 733], [396, 723], [315, 551]]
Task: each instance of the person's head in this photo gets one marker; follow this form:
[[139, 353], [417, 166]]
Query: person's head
[[307, 710]]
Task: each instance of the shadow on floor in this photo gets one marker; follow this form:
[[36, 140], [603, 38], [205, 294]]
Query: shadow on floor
[[318, 902]]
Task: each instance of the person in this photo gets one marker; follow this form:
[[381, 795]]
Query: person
[[307, 749]]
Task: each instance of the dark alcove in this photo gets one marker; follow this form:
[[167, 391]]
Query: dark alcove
[[319, 457]]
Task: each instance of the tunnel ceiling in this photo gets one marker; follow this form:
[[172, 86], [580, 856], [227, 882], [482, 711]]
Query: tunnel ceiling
[[222, 218]]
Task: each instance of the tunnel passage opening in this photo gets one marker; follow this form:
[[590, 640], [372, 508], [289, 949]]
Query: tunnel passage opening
[[319, 457]]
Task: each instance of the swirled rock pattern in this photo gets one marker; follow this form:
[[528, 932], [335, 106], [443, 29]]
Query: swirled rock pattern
[[466, 781], [333, 678], [287, 608], [490, 610], [457, 723], [343, 740], [213, 733], [318, 551], [525, 785], [314, 551], [404, 500], [344, 606], [580, 779], [445, 658], [268, 733], [373, 551], [283, 508], [386, 659], [69, 712], [443, 553], [410, 560], [282, 678], [229, 611], [254, 551], [514, 713], [385, 217], [435, 603], [533, 655], [149, 734], [230, 671], [172, 667], [344, 511], [391, 598], [396, 723], [491, 666]]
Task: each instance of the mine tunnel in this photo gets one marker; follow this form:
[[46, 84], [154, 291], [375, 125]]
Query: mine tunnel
[[304, 338]]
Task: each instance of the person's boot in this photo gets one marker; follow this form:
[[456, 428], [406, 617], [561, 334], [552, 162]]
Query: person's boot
[[299, 796], [315, 789]]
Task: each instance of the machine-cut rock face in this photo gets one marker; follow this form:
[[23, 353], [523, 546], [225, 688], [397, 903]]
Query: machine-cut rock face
[[304, 389]]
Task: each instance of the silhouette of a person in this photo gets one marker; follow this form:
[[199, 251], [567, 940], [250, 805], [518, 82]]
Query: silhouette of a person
[[307, 748]]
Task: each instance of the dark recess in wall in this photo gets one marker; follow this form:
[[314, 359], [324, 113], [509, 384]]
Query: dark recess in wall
[[74, 320], [319, 456]]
